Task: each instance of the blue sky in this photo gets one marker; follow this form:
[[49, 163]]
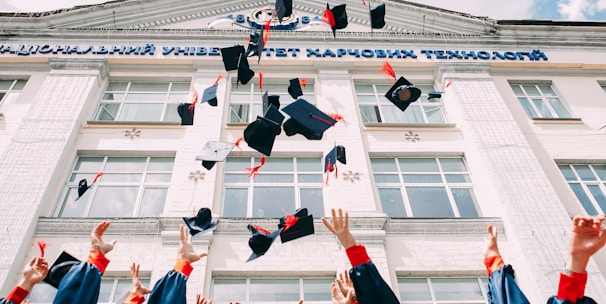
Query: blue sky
[[575, 10]]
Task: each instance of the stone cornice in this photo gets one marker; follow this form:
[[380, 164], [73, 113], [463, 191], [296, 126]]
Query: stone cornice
[[79, 64]]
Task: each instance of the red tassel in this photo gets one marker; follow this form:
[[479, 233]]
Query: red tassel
[[266, 34], [262, 230], [336, 172], [448, 83], [195, 99], [303, 82], [388, 70], [218, 78], [237, 143], [42, 245], [261, 81], [329, 18], [337, 117], [97, 177], [262, 160], [289, 221], [252, 172], [322, 120]]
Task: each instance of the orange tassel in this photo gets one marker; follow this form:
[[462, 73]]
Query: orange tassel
[[218, 78], [262, 230], [237, 143], [254, 171], [289, 221], [266, 34], [303, 82], [261, 81], [448, 83], [195, 99], [42, 245], [338, 117], [388, 70], [97, 177]]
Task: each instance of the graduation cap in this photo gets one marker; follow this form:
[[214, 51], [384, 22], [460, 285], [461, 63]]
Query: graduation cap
[[186, 112], [83, 185], [59, 269], [231, 56], [377, 16], [256, 44], [261, 240], [336, 17], [402, 93], [274, 119], [202, 222], [245, 74], [296, 225], [308, 120], [283, 9], [336, 154], [268, 100], [261, 135], [210, 95], [434, 94], [214, 151], [294, 89]]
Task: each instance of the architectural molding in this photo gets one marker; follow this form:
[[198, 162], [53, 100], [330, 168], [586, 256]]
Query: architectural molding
[[79, 64]]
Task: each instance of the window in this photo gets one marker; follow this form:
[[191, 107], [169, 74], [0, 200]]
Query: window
[[246, 101], [540, 101], [376, 108], [282, 185], [442, 290], [9, 91], [282, 290], [424, 187], [129, 186], [143, 101], [113, 290], [588, 182], [603, 87]]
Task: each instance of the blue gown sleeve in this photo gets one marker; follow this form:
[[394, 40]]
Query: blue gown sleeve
[[369, 285], [503, 289], [585, 300], [80, 285], [171, 288]]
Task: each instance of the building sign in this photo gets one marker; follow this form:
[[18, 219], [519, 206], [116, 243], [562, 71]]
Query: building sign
[[151, 49]]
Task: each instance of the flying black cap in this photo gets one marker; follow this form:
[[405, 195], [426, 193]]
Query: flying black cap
[[245, 74], [274, 119], [82, 187], [336, 154], [202, 222], [186, 111], [256, 44], [261, 135], [268, 100], [214, 151], [294, 89], [231, 56], [59, 269], [210, 95], [260, 241], [434, 94], [296, 225], [283, 8], [310, 120], [377, 16], [402, 93], [340, 16]]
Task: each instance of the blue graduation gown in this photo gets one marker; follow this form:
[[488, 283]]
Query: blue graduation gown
[[82, 282], [369, 285], [503, 289], [584, 300], [171, 288]]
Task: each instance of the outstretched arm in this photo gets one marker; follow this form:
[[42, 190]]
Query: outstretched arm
[[492, 258]]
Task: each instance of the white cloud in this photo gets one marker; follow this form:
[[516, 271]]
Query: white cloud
[[575, 9], [601, 5], [513, 9], [47, 5]]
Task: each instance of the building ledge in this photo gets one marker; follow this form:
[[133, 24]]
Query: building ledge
[[538, 120], [97, 123], [426, 126]]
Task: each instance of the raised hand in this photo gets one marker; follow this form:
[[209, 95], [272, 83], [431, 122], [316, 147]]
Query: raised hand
[[492, 247], [586, 239], [202, 300], [34, 272], [96, 238], [345, 284], [186, 249], [137, 286], [338, 297], [340, 227]]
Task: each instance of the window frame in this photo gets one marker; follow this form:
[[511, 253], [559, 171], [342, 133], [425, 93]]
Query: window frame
[[544, 99], [248, 289], [584, 184], [482, 283], [88, 198], [16, 82], [402, 185]]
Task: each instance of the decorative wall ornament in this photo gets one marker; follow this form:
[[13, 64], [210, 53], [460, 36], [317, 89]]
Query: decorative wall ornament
[[351, 176], [132, 133], [414, 137], [196, 175]]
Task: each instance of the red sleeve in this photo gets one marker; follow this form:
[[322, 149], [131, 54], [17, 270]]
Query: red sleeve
[[183, 267], [493, 263], [17, 295], [572, 286], [98, 259], [357, 255], [134, 298]]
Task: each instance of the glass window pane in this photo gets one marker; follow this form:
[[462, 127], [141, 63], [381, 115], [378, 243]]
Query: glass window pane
[[386, 178], [383, 165], [598, 195], [317, 289], [413, 114], [278, 164], [161, 164], [567, 172], [367, 99], [149, 87], [429, 202], [370, 114], [412, 289], [453, 165], [274, 290], [238, 113], [105, 290], [108, 111], [114, 201], [547, 90], [141, 112], [542, 107], [158, 177], [93, 164], [122, 290], [434, 114], [309, 165], [600, 170], [517, 90], [236, 178], [310, 178], [122, 178], [584, 199], [237, 164], [466, 202], [171, 114], [152, 203], [558, 107], [42, 293], [71, 207], [418, 165], [527, 107], [180, 87], [76, 177], [117, 86], [391, 114], [235, 202], [229, 290], [149, 97], [448, 289], [392, 203], [313, 200], [422, 178], [6, 84], [271, 201], [585, 173], [364, 88], [123, 164], [531, 90], [273, 178], [458, 178]]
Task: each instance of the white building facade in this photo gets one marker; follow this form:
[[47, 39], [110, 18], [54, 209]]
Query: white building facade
[[516, 139]]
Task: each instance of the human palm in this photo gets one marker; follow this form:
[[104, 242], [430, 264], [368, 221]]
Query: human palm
[[186, 249], [96, 238], [587, 236]]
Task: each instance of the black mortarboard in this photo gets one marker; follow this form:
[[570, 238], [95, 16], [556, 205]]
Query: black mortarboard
[[82, 187], [231, 56], [296, 225], [256, 44], [294, 89], [245, 74], [268, 100], [260, 241], [340, 16], [402, 93], [336, 154], [311, 122], [60, 268], [434, 94], [260, 135], [377, 16], [210, 95], [283, 9], [274, 119], [186, 111], [202, 222], [214, 151]]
